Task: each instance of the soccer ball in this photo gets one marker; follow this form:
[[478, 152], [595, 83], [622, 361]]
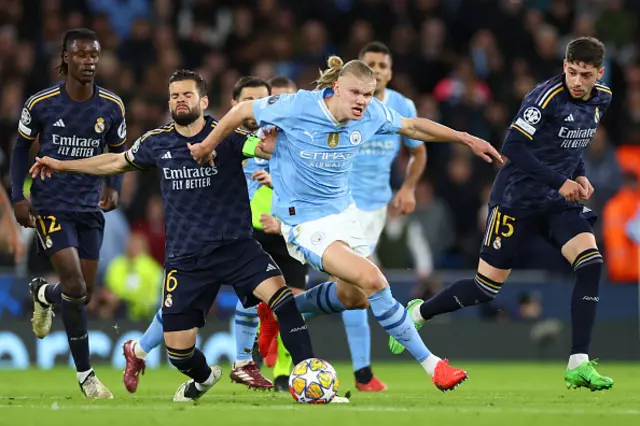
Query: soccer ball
[[313, 381]]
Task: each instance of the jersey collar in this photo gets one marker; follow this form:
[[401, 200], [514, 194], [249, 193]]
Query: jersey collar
[[327, 93], [65, 95]]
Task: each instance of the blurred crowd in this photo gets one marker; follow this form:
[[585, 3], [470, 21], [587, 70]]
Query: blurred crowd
[[465, 63]]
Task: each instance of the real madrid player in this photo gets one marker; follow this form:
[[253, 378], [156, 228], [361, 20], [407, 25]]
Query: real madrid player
[[537, 193], [72, 120], [319, 134], [208, 225]]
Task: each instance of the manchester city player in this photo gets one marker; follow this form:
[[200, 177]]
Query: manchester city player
[[208, 228], [537, 193], [75, 119], [319, 134], [369, 182]]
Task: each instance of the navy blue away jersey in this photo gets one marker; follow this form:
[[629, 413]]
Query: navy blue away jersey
[[550, 131], [204, 206], [69, 130]]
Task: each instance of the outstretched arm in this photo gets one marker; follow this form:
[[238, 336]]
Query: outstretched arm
[[430, 131], [101, 165], [201, 152]]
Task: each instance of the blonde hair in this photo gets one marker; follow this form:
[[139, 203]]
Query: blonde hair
[[337, 68]]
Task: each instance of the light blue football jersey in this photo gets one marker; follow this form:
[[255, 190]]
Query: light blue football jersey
[[315, 153], [369, 180]]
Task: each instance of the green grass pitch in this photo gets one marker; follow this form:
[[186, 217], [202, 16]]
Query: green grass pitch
[[495, 394]]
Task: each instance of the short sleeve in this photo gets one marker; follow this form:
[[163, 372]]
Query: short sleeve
[[274, 110], [386, 120], [410, 112], [29, 125], [117, 135], [141, 155]]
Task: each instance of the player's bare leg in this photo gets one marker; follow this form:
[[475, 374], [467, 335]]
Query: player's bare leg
[[190, 361], [582, 252], [360, 273], [90, 274]]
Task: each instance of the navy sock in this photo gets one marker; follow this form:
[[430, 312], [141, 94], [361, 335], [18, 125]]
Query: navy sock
[[74, 318], [584, 299], [53, 294], [293, 329], [466, 292], [190, 362]]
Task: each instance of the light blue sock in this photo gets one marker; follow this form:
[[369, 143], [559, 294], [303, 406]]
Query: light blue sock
[[154, 334], [321, 299], [393, 317], [246, 326], [356, 323]]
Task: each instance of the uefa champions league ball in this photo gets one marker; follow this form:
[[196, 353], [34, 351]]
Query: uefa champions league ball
[[313, 381]]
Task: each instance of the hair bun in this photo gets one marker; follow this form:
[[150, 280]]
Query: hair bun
[[335, 62]]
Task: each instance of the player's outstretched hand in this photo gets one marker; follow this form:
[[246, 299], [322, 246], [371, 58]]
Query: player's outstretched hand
[[480, 147], [24, 213], [262, 177], [201, 153], [108, 200], [586, 185], [572, 191], [270, 224], [44, 167]]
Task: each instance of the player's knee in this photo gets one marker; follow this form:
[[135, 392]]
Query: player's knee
[[373, 281], [74, 284], [76, 287]]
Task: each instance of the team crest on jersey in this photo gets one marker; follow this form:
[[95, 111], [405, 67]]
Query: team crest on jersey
[[168, 301], [25, 117], [48, 242], [355, 138], [497, 243], [532, 115], [99, 126], [333, 139], [273, 99], [597, 115]]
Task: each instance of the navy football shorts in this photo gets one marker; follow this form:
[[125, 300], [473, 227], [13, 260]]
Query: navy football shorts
[[295, 273], [192, 284], [508, 229], [59, 230]]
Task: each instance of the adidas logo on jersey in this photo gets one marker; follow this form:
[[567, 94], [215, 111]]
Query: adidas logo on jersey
[[166, 156], [569, 118], [270, 267], [59, 123]]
